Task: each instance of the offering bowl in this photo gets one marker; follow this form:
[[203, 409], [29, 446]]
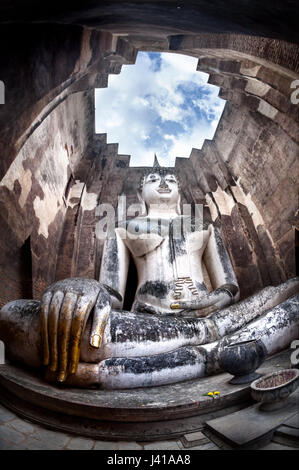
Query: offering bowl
[[272, 390]]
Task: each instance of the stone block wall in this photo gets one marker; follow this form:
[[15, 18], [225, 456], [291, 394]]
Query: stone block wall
[[33, 189]]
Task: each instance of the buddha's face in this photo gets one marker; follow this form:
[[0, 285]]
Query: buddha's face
[[160, 189]]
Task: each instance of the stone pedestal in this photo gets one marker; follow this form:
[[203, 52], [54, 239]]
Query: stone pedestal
[[142, 414]]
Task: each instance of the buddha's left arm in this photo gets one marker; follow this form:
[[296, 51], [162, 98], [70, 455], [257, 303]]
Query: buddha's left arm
[[218, 264]]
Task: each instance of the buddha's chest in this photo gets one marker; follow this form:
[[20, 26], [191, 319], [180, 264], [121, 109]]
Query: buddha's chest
[[176, 254]]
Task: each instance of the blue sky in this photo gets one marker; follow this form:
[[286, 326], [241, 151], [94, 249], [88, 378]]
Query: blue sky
[[159, 105]]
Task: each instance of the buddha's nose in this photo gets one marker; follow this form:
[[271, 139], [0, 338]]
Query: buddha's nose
[[163, 183]]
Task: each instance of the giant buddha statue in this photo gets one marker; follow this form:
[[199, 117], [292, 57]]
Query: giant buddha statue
[[186, 305]]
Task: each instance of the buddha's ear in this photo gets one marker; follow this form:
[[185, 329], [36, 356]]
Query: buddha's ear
[[142, 203]]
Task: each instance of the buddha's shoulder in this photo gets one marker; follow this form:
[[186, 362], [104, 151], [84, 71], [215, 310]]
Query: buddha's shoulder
[[139, 236], [147, 225]]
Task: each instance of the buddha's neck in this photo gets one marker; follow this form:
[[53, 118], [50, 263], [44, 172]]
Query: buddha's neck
[[162, 211]]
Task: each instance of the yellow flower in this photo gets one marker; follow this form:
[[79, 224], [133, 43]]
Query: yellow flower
[[210, 394], [216, 392]]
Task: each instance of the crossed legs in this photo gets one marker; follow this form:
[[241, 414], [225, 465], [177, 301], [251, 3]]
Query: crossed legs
[[145, 350]]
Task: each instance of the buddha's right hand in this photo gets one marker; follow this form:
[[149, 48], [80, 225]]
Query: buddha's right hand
[[65, 309]]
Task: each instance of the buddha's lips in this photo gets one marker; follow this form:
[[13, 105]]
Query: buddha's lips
[[164, 190]]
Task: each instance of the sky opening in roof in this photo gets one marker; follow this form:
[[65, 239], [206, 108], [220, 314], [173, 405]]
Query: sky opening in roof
[[159, 105]]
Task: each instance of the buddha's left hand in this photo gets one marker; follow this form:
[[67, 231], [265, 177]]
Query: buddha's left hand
[[215, 300]]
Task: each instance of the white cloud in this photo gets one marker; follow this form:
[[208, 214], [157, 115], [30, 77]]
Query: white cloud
[[165, 110]]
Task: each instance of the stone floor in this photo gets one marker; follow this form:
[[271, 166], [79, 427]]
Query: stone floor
[[18, 434]]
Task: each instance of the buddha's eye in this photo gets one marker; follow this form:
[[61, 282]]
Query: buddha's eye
[[152, 179]]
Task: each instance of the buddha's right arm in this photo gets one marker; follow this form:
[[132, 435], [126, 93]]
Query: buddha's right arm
[[115, 265], [67, 304]]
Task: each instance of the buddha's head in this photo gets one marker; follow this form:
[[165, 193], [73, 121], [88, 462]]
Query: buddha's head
[[160, 186]]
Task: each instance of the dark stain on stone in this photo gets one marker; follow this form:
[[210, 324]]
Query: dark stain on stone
[[67, 150], [25, 308], [224, 256], [157, 289], [201, 287], [159, 227], [147, 364], [141, 307], [17, 188], [121, 164], [111, 263], [177, 246], [180, 246], [150, 327]]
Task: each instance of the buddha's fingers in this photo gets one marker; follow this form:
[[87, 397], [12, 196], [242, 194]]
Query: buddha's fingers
[[64, 331], [44, 310], [192, 304], [217, 302], [101, 315], [217, 299], [53, 319], [80, 317]]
